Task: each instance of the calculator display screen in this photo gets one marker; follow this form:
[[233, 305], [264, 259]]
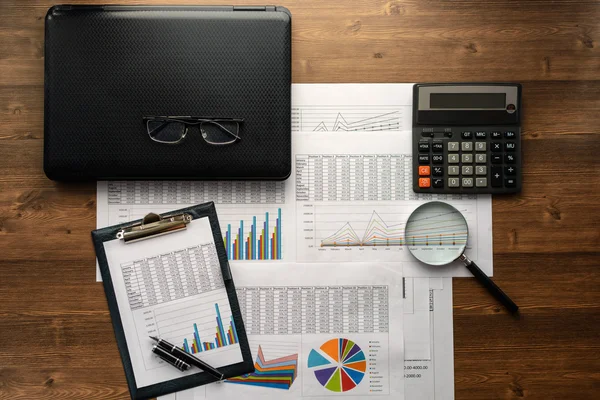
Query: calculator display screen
[[467, 100]]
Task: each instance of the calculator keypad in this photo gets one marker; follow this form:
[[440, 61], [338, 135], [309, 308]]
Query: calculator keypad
[[455, 160]]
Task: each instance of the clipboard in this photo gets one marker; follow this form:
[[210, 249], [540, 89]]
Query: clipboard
[[152, 273]]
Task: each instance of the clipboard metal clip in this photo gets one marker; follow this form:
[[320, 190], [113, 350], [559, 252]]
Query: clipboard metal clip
[[153, 225]]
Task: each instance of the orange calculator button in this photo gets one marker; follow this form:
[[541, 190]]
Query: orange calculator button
[[424, 170], [424, 182]]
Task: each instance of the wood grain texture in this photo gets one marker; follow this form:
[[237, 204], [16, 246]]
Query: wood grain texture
[[56, 340]]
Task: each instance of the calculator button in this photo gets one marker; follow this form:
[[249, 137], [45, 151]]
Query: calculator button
[[466, 158], [437, 159], [496, 135], [453, 182], [510, 146], [496, 146], [480, 146], [424, 182], [423, 158], [467, 135], [481, 170], [438, 171], [467, 146], [480, 158], [424, 170], [509, 135], [453, 170], [510, 170], [496, 176], [424, 146], [467, 182], [510, 182], [480, 135], [438, 183], [480, 182], [467, 170], [496, 158], [453, 146], [438, 147], [427, 134], [509, 158], [453, 158]]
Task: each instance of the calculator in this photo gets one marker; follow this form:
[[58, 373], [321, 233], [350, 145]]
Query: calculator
[[467, 138]]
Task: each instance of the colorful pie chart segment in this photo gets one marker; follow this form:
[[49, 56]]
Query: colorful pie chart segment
[[339, 364]]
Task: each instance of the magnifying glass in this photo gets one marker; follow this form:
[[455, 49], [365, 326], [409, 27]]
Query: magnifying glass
[[436, 234]]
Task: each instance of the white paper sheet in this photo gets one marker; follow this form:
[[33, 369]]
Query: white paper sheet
[[356, 302], [171, 288], [428, 340]]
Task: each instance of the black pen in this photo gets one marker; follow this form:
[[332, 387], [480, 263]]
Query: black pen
[[170, 358], [187, 357]]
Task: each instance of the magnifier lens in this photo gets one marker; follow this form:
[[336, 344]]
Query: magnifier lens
[[436, 233]]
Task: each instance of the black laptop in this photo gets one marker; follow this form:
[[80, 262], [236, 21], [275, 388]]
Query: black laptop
[[140, 92]]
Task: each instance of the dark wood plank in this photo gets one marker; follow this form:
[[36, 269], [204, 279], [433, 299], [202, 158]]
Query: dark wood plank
[[56, 332]]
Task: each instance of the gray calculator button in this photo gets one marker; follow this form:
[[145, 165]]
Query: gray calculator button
[[467, 170], [480, 146], [453, 158], [481, 170], [480, 158], [452, 146], [453, 170], [467, 146], [481, 182], [467, 182], [453, 182], [467, 158]]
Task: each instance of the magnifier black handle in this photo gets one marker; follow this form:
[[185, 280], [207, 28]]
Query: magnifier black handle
[[491, 286]]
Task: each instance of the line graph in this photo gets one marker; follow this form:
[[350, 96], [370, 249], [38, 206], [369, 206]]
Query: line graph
[[432, 230], [352, 232], [346, 118], [377, 233]]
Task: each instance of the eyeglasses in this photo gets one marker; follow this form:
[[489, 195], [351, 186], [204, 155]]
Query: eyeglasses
[[172, 130]]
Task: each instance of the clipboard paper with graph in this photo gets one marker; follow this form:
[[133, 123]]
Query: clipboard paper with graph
[[168, 276]]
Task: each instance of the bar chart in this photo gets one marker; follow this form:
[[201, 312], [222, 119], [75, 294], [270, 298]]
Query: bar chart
[[220, 338], [256, 240], [199, 324]]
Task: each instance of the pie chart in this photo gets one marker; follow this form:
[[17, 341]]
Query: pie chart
[[339, 364]]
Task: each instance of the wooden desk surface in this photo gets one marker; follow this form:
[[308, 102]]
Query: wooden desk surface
[[56, 339]]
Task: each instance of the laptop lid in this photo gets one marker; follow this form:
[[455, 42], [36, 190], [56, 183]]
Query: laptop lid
[[109, 67]]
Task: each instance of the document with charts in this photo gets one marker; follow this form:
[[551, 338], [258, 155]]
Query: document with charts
[[318, 338], [172, 288], [353, 197], [428, 343]]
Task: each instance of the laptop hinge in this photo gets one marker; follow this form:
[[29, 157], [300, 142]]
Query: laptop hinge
[[253, 8]]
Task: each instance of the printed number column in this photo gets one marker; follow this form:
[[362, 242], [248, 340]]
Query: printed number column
[[380, 309], [280, 311], [322, 310], [294, 299], [365, 309], [309, 321]]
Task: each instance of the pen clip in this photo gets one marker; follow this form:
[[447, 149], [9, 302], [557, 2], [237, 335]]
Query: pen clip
[[154, 225]]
